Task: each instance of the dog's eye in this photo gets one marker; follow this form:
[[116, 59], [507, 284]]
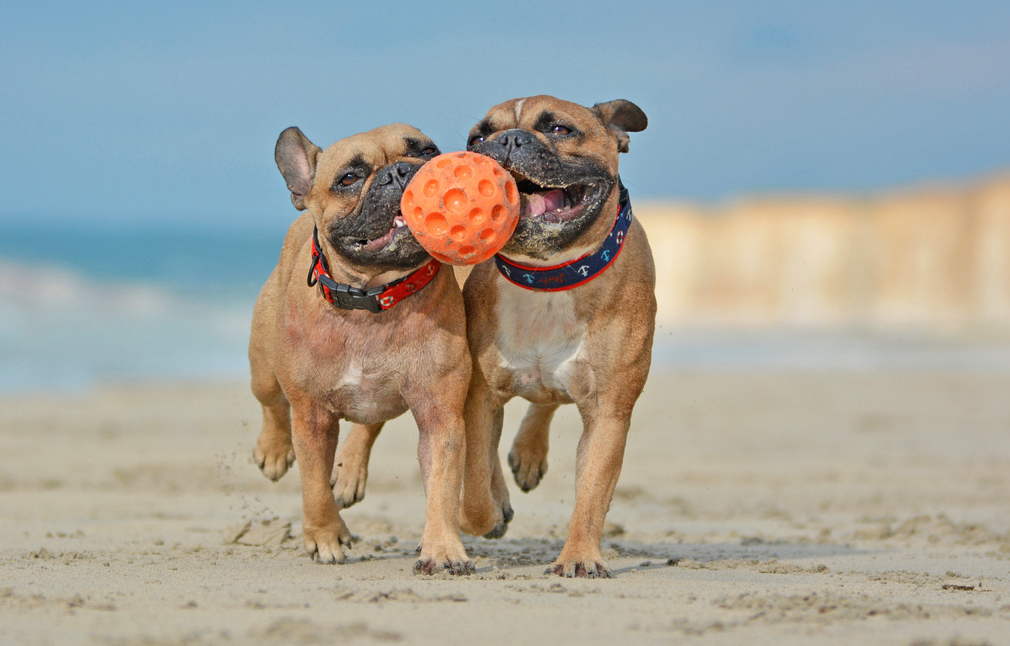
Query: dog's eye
[[559, 129], [348, 179], [474, 140]]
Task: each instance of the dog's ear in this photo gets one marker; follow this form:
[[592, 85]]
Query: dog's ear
[[296, 158], [621, 117]]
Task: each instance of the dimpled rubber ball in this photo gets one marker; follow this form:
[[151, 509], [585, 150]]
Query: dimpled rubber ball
[[462, 207]]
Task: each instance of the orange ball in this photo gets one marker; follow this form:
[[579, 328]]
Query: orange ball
[[462, 207]]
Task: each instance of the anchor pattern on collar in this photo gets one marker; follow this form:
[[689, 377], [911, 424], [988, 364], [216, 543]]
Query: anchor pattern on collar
[[579, 271]]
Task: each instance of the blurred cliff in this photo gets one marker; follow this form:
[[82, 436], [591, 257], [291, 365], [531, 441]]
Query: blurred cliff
[[932, 258]]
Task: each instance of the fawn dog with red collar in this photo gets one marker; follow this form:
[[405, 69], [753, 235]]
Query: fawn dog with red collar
[[564, 314], [358, 322]]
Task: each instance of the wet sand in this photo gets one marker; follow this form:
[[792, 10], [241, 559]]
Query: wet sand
[[754, 508]]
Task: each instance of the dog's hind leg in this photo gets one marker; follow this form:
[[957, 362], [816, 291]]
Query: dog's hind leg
[[486, 510], [350, 468], [499, 489], [528, 457]]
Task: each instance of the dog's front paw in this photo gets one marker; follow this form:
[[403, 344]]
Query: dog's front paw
[[348, 482], [452, 559], [323, 544], [588, 564], [274, 455], [528, 464]]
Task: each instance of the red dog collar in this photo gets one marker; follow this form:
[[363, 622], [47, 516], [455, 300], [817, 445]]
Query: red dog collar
[[376, 299]]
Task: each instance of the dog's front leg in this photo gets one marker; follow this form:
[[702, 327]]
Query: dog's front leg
[[315, 432], [598, 465], [486, 508], [441, 451], [274, 453]]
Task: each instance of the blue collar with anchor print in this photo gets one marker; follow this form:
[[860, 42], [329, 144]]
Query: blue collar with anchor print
[[577, 272]]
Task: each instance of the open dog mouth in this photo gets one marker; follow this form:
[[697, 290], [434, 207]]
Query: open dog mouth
[[555, 204], [364, 244]]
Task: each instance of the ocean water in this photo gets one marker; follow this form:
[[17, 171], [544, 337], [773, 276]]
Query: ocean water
[[84, 305], [81, 306]]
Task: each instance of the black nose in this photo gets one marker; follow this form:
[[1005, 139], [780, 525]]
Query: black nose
[[512, 140], [398, 173]]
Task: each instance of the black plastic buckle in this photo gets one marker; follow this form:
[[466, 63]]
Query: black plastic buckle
[[347, 297]]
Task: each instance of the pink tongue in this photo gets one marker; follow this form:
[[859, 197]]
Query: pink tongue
[[554, 200], [541, 203], [535, 205]]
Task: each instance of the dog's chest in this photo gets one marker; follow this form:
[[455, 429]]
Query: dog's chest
[[540, 339], [349, 367], [364, 393]]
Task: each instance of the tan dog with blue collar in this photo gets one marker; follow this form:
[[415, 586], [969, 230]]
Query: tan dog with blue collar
[[565, 314], [378, 329]]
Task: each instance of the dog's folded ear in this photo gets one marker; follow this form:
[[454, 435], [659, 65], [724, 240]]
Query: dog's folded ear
[[296, 158], [621, 117]]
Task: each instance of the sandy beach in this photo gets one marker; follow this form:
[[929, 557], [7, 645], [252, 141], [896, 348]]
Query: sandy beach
[[753, 508]]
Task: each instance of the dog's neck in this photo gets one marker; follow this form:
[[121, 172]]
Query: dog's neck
[[375, 293]]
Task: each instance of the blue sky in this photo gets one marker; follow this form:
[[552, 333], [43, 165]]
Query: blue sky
[[168, 112]]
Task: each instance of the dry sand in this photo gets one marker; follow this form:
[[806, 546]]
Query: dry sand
[[829, 508]]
